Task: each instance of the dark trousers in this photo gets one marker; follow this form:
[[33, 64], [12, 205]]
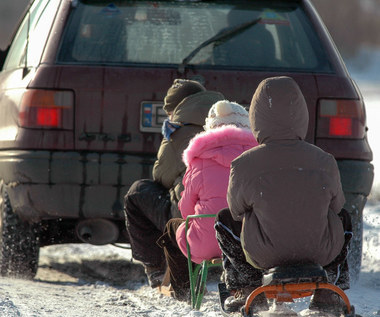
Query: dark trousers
[[147, 210], [177, 263], [238, 273]]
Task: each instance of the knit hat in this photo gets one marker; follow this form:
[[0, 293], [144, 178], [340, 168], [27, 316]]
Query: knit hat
[[180, 89], [225, 112]]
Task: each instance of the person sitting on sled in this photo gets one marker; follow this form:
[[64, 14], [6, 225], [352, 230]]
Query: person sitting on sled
[[285, 202], [150, 203], [208, 157]]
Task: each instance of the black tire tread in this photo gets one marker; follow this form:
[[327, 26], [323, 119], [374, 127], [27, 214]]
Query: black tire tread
[[19, 245]]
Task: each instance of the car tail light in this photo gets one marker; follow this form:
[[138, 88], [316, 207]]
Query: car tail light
[[341, 119], [49, 109]]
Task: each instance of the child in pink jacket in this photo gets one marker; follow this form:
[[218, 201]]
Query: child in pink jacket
[[207, 158]]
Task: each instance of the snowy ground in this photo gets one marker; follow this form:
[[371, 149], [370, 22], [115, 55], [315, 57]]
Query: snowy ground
[[81, 280]]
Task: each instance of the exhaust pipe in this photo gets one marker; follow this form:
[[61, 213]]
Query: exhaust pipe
[[97, 231]]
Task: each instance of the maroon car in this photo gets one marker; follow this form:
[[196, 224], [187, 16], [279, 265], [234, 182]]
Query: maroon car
[[81, 95]]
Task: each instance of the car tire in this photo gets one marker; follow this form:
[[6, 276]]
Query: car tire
[[19, 246], [355, 204], [355, 249]]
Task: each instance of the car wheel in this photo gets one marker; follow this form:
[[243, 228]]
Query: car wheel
[[19, 247], [355, 205]]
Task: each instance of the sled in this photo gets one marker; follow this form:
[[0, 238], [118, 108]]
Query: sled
[[284, 284], [197, 272]]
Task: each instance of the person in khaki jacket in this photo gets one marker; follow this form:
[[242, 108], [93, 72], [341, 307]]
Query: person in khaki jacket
[[285, 201], [150, 203]]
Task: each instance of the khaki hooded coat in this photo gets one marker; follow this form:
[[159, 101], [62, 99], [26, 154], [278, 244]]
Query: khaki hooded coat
[[190, 113], [286, 191]]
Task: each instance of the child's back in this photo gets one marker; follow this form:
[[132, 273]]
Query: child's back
[[288, 191]]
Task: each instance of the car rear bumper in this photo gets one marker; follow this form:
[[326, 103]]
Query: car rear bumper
[[48, 185], [356, 176]]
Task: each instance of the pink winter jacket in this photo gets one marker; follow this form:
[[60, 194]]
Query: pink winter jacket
[[208, 158]]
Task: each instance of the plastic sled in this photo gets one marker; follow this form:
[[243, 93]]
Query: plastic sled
[[284, 284]]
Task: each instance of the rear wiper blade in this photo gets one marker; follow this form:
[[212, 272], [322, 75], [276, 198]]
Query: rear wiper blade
[[223, 36]]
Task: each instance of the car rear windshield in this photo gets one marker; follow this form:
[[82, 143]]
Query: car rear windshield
[[196, 34]]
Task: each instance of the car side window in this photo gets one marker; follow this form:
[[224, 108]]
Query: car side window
[[16, 52], [29, 41]]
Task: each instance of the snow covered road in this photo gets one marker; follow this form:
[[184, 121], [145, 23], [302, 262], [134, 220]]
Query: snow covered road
[[82, 280]]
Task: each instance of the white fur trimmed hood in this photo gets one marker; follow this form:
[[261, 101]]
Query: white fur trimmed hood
[[219, 144]]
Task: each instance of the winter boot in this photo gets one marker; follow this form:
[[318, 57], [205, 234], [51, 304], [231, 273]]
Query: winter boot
[[327, 301], [182, 294], [155, 275], [234, 303]]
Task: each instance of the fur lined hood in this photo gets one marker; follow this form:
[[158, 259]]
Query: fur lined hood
[[221, 144]]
